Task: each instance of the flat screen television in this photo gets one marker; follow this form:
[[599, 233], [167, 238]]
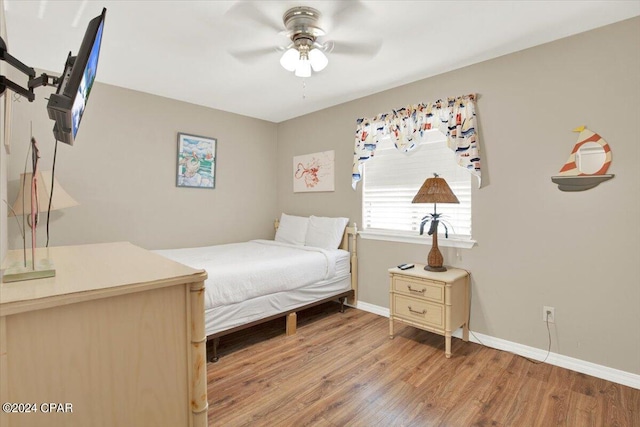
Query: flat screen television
[[67, 105]]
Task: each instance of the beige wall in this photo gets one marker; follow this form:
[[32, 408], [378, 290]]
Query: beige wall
[[122, 171], [578, 252]]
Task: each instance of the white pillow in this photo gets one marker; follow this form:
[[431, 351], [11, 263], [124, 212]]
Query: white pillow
[[292, 229], [325, 233]]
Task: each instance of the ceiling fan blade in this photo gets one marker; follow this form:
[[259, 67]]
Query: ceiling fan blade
[[347, 11], [247, 10], [252, 55], [368, 49]]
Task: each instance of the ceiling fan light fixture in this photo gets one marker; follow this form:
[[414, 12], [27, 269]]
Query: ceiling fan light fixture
[[303, 68], [318, 60], [289, 59]]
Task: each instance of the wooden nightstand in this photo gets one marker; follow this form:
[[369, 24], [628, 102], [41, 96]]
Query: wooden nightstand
[[434, 301]]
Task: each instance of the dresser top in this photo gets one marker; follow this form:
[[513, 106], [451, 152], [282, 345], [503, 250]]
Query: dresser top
[[93, 271], [451, 275]]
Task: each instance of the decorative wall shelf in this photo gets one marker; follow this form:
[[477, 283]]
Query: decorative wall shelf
[[587, 164]]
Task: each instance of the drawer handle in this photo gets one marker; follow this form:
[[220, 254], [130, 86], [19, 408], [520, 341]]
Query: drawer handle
[[423, 312], [422, 291]]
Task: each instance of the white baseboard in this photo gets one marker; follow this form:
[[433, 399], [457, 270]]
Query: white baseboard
[[610, 374], [375, 309]]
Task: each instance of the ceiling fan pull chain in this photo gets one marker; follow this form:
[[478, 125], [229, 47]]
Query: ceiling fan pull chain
[[304, 89]]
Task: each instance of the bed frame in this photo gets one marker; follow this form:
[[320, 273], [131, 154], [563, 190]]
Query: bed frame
[[349, 243]]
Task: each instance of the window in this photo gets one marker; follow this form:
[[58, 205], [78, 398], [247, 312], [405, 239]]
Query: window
[[391, 180]]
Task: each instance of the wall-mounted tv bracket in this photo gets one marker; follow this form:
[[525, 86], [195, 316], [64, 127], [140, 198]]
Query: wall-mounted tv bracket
[[34, 82]]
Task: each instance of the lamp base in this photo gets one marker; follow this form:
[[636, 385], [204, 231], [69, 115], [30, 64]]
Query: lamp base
[[439, 269], [17, 272]]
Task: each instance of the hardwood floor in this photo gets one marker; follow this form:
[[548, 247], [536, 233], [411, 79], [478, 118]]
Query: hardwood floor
[[341, 369]]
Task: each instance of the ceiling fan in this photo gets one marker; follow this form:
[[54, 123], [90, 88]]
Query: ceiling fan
[[307, 49], [304, 52]]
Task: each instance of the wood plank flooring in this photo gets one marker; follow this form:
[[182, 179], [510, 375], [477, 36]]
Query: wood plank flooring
[[341, 369]]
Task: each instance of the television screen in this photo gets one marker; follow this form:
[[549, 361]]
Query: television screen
[[67, 105]]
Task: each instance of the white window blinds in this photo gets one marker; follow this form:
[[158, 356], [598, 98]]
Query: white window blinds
[[392, 178]]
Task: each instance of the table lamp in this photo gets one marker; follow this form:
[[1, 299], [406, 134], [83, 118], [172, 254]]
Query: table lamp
[[434, 190], [59, 200]]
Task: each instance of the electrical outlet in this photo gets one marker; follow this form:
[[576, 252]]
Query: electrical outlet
[[549, 313]]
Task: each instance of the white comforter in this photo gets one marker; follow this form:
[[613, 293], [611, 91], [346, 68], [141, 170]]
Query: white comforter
[[241, 271]]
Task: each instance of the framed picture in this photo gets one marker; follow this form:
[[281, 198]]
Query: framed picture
[[314, 172], [196, 161]]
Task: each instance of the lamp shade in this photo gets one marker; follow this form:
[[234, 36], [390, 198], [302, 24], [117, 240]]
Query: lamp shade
[[303, 69], [435, 190], [318, 60], [289, 59], [61, 199]]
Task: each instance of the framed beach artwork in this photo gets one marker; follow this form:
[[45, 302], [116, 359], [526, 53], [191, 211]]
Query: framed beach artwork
[[314, 172], [196, 161]]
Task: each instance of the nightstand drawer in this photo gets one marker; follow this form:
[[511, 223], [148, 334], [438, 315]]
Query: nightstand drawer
[[419, 311], [419, 288]]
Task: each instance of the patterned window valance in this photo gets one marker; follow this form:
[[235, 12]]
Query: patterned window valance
[[455, 117]]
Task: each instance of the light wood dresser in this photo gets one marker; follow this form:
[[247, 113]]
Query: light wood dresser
[[434, 301], [116, 338]]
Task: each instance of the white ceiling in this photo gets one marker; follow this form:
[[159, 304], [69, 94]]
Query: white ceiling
[[189, 50]]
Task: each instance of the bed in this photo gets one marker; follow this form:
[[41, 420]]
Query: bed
[[312, 260]]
